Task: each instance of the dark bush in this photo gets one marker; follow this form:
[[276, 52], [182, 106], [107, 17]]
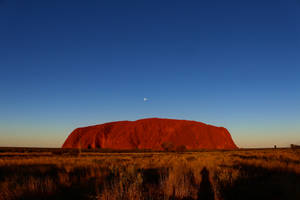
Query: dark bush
[[181, 148], [167, 146]]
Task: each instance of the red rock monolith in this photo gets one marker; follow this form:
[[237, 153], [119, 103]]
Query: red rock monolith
[[151, 133]]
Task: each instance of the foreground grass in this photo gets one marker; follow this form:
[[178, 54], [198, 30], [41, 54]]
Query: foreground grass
[[256, 174]]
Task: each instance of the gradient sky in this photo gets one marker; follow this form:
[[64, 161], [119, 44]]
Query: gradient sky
[[66, 64]]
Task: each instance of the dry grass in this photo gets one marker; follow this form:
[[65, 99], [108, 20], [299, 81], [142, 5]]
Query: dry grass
[[255, 174]]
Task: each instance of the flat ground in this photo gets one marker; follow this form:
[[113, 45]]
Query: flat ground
[[243, 174]]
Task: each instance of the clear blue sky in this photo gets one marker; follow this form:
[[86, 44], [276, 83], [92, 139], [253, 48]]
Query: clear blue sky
[[65, 64]]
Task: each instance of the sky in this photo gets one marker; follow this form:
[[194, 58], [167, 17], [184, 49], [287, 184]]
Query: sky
[[67, 64]]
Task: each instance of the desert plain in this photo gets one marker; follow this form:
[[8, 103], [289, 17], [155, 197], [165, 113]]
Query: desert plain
[[32, 173]]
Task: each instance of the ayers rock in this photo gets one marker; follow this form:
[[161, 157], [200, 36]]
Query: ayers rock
[[150, 134]]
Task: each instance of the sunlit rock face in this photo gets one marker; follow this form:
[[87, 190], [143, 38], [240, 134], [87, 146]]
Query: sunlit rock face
[[151, 133]]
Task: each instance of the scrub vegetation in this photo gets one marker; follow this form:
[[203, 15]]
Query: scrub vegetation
[[219, 175]]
